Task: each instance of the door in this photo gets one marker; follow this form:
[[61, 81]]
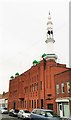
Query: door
[[61, 110], [66, 110]]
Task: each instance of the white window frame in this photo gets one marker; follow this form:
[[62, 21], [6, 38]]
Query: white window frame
[[57, 89], [62, 87], [68, 83]]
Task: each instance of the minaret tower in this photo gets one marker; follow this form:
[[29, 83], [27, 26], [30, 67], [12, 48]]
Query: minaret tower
[[50, 41]]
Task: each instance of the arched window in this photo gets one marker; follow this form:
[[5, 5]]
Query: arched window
[[49, 32]]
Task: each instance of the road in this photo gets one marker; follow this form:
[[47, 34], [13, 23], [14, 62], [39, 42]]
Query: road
[[7, 117]]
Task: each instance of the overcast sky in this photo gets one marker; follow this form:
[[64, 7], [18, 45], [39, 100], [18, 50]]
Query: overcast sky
[[23, 28]]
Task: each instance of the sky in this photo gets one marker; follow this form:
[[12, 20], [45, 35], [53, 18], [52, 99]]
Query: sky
[[23, 28]]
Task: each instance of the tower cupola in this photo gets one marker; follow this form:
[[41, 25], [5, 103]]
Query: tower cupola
[[50, 40], [49, 27]]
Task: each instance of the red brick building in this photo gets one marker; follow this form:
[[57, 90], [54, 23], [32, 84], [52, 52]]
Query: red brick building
[[35, 88], [63, 93]]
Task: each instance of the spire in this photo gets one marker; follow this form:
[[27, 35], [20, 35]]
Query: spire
[[49, 27], [49, 17], [49, 12]]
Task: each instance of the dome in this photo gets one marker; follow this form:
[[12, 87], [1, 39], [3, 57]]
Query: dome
[[12, 77], [44, 55], [17, 74], [35, 62]]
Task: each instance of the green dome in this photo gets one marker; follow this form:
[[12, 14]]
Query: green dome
[[44, 55], [35, 61], [12, 77], [17, 74]]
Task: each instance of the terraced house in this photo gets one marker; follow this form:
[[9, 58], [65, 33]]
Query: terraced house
[[63, 93]]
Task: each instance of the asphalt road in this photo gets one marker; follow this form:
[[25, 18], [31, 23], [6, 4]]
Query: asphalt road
[[7, 117]]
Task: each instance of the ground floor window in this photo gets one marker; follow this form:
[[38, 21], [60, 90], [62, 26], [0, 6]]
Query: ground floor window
[[14, 104], [42, 103], [50, 106], [32, 103]]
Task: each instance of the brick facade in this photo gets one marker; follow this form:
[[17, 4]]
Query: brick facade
[[63, 94], [35, 88]]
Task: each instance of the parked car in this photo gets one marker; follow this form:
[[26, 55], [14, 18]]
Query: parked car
[[13, 112], [3, 110], [44, 114], [24, 114]]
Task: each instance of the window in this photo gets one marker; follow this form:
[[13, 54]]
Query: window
[[29, 103], [50, 106], [40, 85], [35, 86], [34, 103], [57, 89], [37, 103], [68, 87], [25, 89], [62, 86], [34, 111], [25, 103], [42, 103]]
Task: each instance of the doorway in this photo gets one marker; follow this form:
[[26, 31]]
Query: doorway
[[61, 109]]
